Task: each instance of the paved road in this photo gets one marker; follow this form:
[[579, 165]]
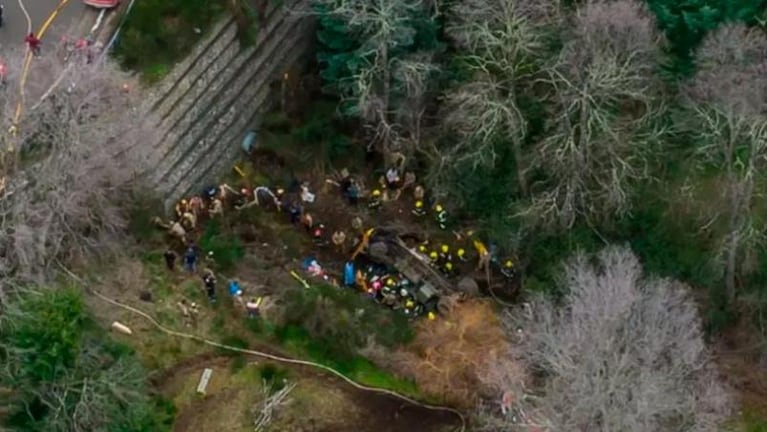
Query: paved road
[[15, 23]]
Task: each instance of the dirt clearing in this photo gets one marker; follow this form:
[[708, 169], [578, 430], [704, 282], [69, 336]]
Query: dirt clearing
[[318, 403]]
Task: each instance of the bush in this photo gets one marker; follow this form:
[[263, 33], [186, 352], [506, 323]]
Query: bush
[[157, 33], [341, 320], [65, 373]]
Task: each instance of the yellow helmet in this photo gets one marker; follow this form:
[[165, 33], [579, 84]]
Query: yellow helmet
[[390, 282], [422, 248], [469, 233], [461, 252], [445, 248], [448, 266], [433, 255], [432, 316], [419, 204], [438, 207], [376, 193], [508, 264], [183, 202]]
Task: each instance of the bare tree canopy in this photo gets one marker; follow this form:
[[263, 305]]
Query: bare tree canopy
[[76, 150], [623, 352], [727, 116], [731, 65], [390, 73], [601, 129], [501, 41]]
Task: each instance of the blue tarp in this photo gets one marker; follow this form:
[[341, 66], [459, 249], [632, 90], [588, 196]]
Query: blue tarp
[[249, 142]]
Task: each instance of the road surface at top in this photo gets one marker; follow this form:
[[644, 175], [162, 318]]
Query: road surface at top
[[14, 27]]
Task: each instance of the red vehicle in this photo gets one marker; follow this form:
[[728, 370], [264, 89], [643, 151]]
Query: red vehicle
[[102, 4]]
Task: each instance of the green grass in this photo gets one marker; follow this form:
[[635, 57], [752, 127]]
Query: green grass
[[301, 345]]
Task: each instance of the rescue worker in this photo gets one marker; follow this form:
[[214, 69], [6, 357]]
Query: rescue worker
[[196, 205], [353, 192], [422, 249], [234, 288], [176, 230], [294, 213], [409, 306], [3, 73], [170, 259], [190, 258], [440, 216], [306, 195], [34, 43], [216, 207], [278, 194], [375, 200], [444, 253], [393, 183], [409, 180], [447, 268], [181, 208], [209, 279], [339, 240], [357, 224], [483, 255], [418, 193], [461, 254], [507, 269], [349, 274], [432, 316], [318, 235], [433, 257], [307, 221], [418, 209], [189, 221], [253, 307]]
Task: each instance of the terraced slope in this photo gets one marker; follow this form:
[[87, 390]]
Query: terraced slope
[[206, 105]]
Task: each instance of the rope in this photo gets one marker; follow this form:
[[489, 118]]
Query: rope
[[26, 15], [280, 359]]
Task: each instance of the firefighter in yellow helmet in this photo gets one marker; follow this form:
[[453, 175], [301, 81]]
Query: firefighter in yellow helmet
[[431, 316], [440, 216], [444, 253], [418, 209], [375, 199], [507, 269], [461, 254], [433, 257], [447, 268]]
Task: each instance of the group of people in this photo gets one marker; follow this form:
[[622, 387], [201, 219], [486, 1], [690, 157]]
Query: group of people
[[385, 285]]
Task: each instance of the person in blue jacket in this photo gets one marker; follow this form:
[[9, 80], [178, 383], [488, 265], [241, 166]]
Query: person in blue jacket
[[349, 274]]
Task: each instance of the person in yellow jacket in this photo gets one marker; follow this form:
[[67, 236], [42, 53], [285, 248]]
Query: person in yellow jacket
[[483, 255], [181, 208]]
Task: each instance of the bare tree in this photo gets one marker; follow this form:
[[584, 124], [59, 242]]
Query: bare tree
[[501, 40], [78, 144], [623, 352], [388, 86], [601, 129], [727, 101]]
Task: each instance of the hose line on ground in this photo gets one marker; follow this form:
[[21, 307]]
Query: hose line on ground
[[278, 359]]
